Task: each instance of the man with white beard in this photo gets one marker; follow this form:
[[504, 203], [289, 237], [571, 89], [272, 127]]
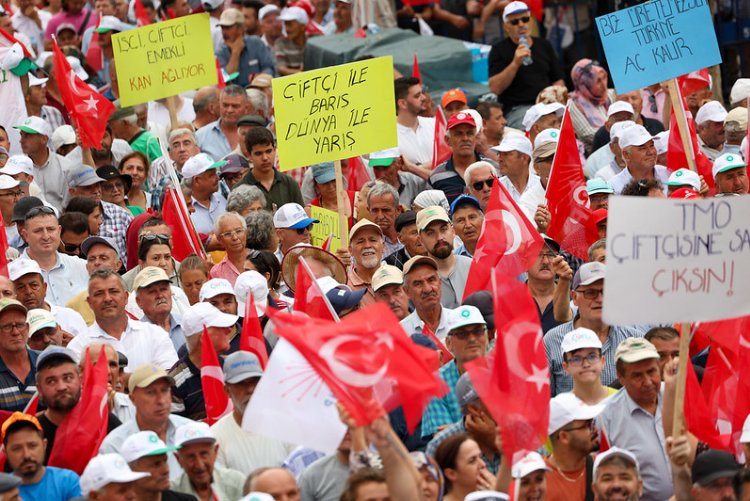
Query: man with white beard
[[366, 247]]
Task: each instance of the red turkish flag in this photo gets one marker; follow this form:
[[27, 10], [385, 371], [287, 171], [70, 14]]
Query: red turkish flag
[[694, 81], [88, 110], [447, 355], [508, 242], [358, 175], [185, 240], [366, 356], [571, 223], [251, 337], [212, 382], [676, 156], [441, 152], [698, 415], [415, 73], [141, 14], [94, 56], [516, 388], [82, 431], [3, 249], [308, 297]]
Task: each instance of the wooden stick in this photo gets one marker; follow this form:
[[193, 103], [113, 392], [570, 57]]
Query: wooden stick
[[678, 418], [676, 98], [341, 204], [172, 108]]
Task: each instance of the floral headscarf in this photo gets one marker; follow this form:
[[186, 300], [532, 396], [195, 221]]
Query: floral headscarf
[[584, 75]]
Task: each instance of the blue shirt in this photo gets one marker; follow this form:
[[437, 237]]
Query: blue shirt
[[205, 217], [57, 484], [67, 278], [15, 394], [255, 58], [212, 141], [446, 410]]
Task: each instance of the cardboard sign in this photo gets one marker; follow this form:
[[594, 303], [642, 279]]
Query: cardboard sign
[[335, 113], [164, 59], [658, 40], [677, 260], [329, 224]]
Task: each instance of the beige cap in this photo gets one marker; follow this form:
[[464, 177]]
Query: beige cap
[[231, 17], [430, 214], [147, 374], [636, 349], [149, 275], [417, 260], [386, 275], [39, 318], [12, 304], [261, 81], [361, 225], [738, 115], [544, 150]]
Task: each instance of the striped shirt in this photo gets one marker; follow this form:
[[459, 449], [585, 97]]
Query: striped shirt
[[15, 394]]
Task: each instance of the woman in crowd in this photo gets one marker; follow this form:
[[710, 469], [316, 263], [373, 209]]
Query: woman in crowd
[[460, 460], [261, 234], [324, 181], [91, 208], [136, 166], [590, 100], [193, 273], [245, 199], [116, 187], [231, 232]]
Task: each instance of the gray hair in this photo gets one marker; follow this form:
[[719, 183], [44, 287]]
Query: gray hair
[[229, 215], [382, 189], [599, 244], [105, 273], [260, 230], [187, 184], [182, 131], [244, 195], [233, 90], [259, 101], [476, 166]]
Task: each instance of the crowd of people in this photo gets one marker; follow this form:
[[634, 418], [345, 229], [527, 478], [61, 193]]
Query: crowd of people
[[92, 271]]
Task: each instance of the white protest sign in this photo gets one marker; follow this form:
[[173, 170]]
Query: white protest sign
[[292, 404], [677, 260]]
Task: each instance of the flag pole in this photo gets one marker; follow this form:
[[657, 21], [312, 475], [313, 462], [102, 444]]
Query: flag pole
[[678, 418], [341, 204], [172, 108], [675, 96]]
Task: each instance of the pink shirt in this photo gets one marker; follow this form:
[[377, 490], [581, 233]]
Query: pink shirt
[[659, 97], [76, 20], [226, 270]]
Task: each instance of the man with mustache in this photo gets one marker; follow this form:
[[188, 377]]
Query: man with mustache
[[17, 361], [388, 287], [437, 235], [616, 476], [384, 208], [154, 296], [24, 444], [422, 286], [366, 246], [549, 284]]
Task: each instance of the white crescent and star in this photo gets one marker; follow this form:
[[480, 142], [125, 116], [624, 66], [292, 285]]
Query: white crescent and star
[[345, 372], [514, 336]]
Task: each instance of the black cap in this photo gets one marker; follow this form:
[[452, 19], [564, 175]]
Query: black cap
[[23, 206], [256, 120], [108, 172], [122, 360], [235, 163], [482, 300], [341, 298], [405, 219], [713, 465], [551, 243]]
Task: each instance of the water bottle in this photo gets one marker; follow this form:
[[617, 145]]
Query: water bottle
[[525, 42]]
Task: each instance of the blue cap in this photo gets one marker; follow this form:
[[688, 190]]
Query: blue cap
[[462, 200], [341, 298], [323, 172], [597, 185], [422, 340], [51, 352], [241, 365]]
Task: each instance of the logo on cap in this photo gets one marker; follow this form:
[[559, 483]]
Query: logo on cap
[[678, 174], [730, 158], [153, 439], [461, 116], [465, 313], [553, 134]]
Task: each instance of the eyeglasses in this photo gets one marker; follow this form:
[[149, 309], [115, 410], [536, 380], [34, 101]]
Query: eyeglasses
[[41, 210], [577, 360], [8, 328], [547, 255], [301, 231], [72, 247], [113, 185], [589, 424], [229, 234], [524, 19], [463, 335], [591, 293], [150, 237], [14, 194], [479, 184]]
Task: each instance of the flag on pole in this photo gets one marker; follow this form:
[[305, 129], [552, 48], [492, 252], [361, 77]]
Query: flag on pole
[[308, 296], [441, 152], [3, 250], [251, 337], [185, 240], [415, 73], [94, 56], [212, 382], [220, 75]]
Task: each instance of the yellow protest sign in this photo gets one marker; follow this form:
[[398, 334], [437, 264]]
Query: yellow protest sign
[[329, 224], [335, 113], [164, 59]]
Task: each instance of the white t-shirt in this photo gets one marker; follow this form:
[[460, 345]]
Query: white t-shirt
[[416, 145]]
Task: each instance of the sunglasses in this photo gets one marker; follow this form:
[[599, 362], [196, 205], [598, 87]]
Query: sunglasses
[[69, 248], [37, 211], [652, 103], [479, 184], [150, 237], [301, 231], [587, 68], [524, 19]]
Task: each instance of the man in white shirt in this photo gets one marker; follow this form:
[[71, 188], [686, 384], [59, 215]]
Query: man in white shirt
[[639, 154], [617, 164], [709, 124], [142, 343], [239, 449], [514, 155], [415, 133]]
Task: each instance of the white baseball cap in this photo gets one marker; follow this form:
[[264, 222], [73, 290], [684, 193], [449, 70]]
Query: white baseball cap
[[740, 91], [35, 125], [214, 287], [514, 8], [578, 338], [267, 9], [465, 315], [530, 463], [588, 273], [294, 14], [200, 314], [712, 111], [34, 81], [636, 135], [252, 282], [106, 469], [292, 216], [200, 163], [18, 164], [685, 177], [142, 444], [727, 161], [546, 136], [386, 275], [39, 318], [514, 142], [566, 408], [192, 433], [262, 496], [619, 106], [611, 452], [20, 267], [538, 111], [661, 142], [111, 23], [7, 182], [65, 134], [615, 132], [75, 65]]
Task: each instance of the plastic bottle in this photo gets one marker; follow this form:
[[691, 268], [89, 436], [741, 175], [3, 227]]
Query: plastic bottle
[[525, 42]]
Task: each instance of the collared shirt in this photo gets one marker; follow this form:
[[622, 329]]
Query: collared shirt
[[622, 179], [142, 343], [115, 223], [531, 184], [446, 179], [629, 426], [533, 196], [52, 178], [609, 171], [446, 410], [14, 393], [711, 153], [225, 484], [283, 190], [68, 319], [416, 144], [65, 279], [288, 53], [355, 282], [561, 381], [254, 58], [113, 441], [204, 217], [597, 160], [454, 283], [212, 140], [493, 463], [411, 186], [225, 269], [389, 247], [176, 334], [412, 324], [461, 250]]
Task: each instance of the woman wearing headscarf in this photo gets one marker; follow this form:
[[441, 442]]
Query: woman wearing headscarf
[[589, 100]]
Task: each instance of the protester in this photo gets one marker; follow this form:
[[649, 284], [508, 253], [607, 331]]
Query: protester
[[459, 458], [423, 287]]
